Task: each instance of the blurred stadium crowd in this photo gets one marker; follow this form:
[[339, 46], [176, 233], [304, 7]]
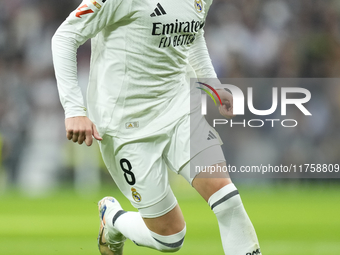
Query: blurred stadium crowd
[[246, 38]]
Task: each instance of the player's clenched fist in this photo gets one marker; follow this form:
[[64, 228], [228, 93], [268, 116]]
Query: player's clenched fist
[[226, 109], [80, 129]]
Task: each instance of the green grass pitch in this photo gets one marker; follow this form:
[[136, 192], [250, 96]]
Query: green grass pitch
[[289, 219]]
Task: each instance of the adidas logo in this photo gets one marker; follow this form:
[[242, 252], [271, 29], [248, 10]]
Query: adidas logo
[[129, 125], [211, 136], [158, 11]]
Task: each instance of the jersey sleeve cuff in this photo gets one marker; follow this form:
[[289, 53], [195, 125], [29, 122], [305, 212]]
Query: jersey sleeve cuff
[[213, 82], [79, 112]]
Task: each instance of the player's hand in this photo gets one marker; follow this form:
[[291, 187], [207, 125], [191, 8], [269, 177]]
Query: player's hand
[[226, 109], [80, 129]]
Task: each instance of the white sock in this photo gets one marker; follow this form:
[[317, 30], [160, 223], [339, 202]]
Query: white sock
[[237, 232], [132, 226]]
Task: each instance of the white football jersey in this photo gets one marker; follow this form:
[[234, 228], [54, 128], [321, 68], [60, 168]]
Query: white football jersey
[[141, 51]]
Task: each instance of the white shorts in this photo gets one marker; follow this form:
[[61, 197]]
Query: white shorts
[[139, 166]]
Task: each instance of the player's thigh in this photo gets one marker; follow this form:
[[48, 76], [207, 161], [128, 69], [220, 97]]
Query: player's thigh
[[137, 169], [193, 140], [140, 172], [194, 150], [207, 171], [190, 136]]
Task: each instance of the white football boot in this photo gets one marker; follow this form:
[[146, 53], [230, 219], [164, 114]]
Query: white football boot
[[110, 240]]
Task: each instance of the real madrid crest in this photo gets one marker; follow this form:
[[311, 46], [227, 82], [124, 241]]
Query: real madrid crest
[[198, 5], [135, 195]]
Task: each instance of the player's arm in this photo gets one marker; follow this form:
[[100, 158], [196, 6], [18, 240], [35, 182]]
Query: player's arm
[[200, 60], [83, 23]]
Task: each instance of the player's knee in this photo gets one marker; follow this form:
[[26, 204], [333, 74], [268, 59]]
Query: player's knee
[[171, 243]]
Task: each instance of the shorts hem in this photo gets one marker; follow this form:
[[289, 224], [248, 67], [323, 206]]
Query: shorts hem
[[160, 208], [159, 214]]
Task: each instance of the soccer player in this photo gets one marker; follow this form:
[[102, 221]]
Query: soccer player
[[139, 111]]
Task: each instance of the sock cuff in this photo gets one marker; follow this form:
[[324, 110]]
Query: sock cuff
[[171, 241], [224, 194], [119, 213]]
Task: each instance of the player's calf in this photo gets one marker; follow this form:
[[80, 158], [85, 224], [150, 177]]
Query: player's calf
[[237, 232], [171, 243], [120, 224], [132, 225]]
